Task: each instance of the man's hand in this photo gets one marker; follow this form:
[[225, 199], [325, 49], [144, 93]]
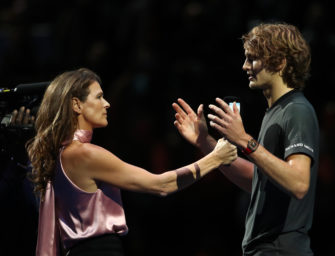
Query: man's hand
[[190, 125], [22, 117], [18, 131], [227, 122]]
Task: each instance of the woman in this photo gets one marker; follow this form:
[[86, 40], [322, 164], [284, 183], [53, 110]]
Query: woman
[[81, 209]]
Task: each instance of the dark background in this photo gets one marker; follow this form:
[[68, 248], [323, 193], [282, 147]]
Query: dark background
[[148, 53]]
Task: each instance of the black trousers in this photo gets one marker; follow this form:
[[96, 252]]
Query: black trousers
[[106, 245]]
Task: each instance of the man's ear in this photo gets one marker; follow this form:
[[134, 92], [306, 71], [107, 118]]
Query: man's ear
[[282, 66], [76, 105]]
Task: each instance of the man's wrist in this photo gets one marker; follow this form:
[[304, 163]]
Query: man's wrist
[[206, 143], [251, 146]]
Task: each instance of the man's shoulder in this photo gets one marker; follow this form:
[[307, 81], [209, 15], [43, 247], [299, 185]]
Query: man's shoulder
[[299, 105]]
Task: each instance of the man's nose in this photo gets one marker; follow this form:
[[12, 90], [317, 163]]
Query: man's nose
[[246, 65]]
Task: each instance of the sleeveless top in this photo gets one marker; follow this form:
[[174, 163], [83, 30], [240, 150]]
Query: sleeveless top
[[68, 214]]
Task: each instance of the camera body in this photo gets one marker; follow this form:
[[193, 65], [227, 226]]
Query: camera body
[[14, 136]]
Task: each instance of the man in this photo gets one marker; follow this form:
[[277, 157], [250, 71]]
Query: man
[[282, 171], [19, 204]]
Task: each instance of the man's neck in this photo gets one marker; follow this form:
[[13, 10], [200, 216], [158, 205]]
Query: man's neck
[[275, 91]]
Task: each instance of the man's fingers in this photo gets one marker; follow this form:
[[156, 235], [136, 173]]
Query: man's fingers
[[223, 105], [217, 110], [26, 117], [19, 116], [179, 119], [32, 119], [217, 127], [14, 116], [185, 106], [216, 120], [200, 110], [179, 110], [22, 117], [236, 108]]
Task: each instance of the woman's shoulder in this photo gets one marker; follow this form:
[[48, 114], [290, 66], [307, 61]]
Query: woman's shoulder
[[90, 159], [80, 153]]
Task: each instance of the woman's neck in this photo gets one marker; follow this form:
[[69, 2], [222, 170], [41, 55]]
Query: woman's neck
[[84, 136]]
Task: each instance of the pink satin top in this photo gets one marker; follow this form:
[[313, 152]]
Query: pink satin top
[[68, 214]]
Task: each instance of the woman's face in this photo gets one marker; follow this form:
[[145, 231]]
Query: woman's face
[[93, 112]]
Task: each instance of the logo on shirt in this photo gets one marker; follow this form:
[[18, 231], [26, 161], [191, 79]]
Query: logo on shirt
[[299, 145]]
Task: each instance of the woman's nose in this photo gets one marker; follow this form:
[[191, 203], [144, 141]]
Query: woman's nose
[[107, 105]]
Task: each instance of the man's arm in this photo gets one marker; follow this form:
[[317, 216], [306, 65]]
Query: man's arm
[[293, 173], [192, 126]]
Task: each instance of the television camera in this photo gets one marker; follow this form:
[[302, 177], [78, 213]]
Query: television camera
[[14, 136]]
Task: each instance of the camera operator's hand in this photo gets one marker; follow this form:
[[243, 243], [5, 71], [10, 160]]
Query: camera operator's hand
[[22, 117], [14, 136]]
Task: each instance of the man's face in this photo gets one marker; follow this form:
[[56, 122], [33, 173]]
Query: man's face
[[259, 77]]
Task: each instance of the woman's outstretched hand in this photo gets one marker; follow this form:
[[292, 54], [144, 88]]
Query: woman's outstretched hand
[[226, 151]]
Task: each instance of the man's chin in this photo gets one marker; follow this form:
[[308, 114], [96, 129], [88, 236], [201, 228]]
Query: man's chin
[[253, 86]]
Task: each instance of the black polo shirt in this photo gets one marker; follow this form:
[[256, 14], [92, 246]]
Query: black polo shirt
[[276, 221]]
